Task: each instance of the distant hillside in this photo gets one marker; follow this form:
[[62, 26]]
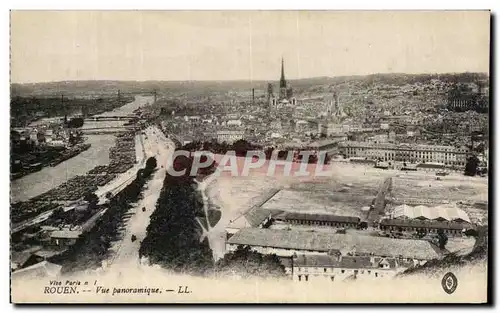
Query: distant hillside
[[104, 87]]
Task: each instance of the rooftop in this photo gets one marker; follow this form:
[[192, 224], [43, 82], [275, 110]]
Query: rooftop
[[256, 215], [66, 234], [42, 269], [401, 146], [342, 262], [324, 242], [319, 217], [318, 200], [230, 132], [45, 253], [446, 212], [424, 224]]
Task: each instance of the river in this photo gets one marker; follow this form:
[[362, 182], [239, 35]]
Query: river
[[37, 183]]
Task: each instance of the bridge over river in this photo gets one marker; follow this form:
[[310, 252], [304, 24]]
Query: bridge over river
[[108, 130], [101, 141], [110, 118]]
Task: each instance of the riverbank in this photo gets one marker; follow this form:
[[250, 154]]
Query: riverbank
[[37, 183], [48, 178], [87, 233], [48, 157], [100, 226], [107, 172], [122, 160]]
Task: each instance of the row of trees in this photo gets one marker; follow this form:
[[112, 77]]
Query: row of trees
[[75, 122], [92, 248], [247, 263], [472, 167], [241, 147], [173, 235]]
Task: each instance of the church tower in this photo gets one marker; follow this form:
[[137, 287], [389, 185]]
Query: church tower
[[283, 90]]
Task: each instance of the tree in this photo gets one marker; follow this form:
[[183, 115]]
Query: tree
[[207, 170], [57, 214], [471, 233], [182, 163], [442, 239], [326, 159], [173, 234], [91, 198], [248, 263], [480, 148], [140, 174], [471, 166], [241, 147], [76, 122], [421, 232], [313, 159], [192, 146], [151, 163], [282, 154], [362, 225], [73, 139], [269, 152]]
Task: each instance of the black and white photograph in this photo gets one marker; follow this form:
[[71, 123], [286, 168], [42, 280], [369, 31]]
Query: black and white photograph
[[266, 156]]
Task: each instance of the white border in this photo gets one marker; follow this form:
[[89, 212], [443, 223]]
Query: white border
[[190, 4], [255, 5]]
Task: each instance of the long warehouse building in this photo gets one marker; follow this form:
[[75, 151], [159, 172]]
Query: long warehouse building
[[289, 242]]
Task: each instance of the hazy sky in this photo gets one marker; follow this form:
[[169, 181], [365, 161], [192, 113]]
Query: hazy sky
[[217, 45]]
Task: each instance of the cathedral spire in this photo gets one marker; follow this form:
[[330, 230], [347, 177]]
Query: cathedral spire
[[282, 79]]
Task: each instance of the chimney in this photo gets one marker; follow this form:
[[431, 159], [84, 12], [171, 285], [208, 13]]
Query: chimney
[[253, 96]]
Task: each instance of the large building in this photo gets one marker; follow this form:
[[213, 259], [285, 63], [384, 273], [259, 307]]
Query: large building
[[230, 136], [328, 129], [285, 243], [328, 144], [270, 92], [469, 101], [256, 216], [330, 220], [411, 153], [428, 226], [334, 108], [328, 268], [285, 96], [447, 218], [441, 213], [333, 121], [283, 89]]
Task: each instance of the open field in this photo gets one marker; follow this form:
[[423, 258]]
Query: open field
[[451, 188], [316, 202], [345, 190], [235, 195]]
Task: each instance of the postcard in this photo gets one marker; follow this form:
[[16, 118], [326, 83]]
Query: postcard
[[249, 156]]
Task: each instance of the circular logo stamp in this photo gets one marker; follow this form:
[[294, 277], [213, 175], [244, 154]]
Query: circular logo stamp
[[449, 283]]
